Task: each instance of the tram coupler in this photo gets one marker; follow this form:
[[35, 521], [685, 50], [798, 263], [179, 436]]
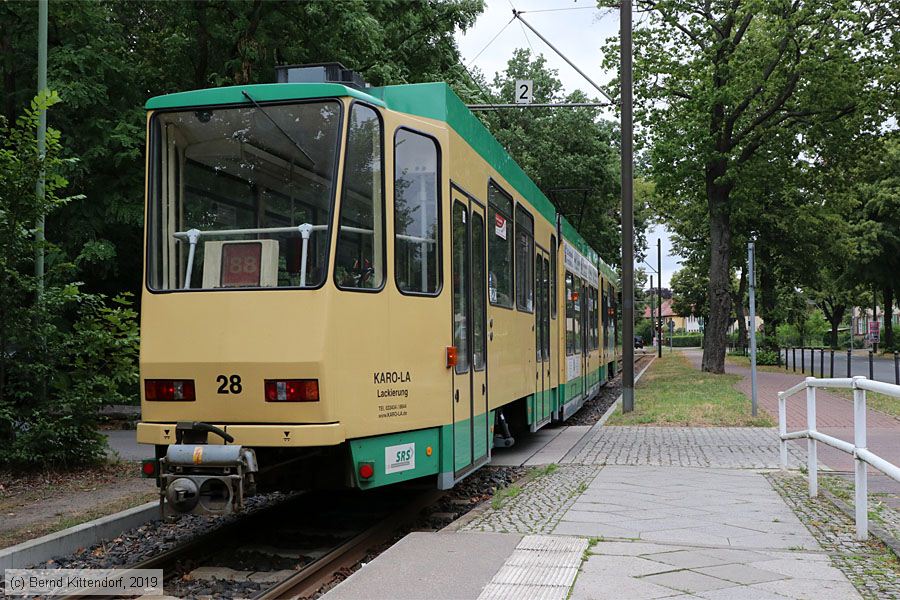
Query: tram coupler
[[200, 478]]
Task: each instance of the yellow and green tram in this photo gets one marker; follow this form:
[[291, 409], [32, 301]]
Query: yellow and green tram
[[351, 286]]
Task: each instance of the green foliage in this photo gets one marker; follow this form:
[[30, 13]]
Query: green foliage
[[571, 154], [691, 340], [107, 58], [737, 103], [766, 357], [63, 353], [644, 330]]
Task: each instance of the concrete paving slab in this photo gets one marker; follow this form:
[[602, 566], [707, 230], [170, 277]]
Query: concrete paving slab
[[438, 566], [524, 448], [559, 446], [810, 589], [688, 581], [743, 574], [597, 586]]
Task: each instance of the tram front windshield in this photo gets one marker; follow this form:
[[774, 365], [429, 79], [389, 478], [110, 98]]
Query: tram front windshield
[[242, 197]]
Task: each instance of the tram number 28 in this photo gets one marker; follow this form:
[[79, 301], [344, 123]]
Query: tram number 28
[[229, 385]]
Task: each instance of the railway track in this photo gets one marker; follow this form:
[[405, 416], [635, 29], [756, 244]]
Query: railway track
[[291, 550]]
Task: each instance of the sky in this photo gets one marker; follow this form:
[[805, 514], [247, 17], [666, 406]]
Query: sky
[[578, 29]]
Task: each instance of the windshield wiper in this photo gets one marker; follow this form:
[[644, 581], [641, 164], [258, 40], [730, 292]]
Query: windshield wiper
[[312, 163]]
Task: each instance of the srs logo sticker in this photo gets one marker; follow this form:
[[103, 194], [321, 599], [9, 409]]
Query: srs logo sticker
[[399, 458]]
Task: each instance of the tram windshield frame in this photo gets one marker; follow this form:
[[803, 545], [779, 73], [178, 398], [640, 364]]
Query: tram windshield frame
[[242, 196]]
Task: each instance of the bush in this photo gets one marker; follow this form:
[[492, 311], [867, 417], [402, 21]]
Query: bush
[[63, 353], [766, 357], [686, 341], [57, 383]]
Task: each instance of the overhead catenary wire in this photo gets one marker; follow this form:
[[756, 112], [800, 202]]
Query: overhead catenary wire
[[518, 15], [480, 52]]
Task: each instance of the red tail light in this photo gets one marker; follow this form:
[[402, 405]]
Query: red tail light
[[169, 390], [148, 467], [292, 390]]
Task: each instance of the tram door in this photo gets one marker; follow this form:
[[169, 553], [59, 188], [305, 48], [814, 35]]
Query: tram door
[[584, 297], [543, 404], [470, 408]]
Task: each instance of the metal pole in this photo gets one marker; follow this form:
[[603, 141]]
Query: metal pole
[[896, 367], [794, 359], [821, 362], [871, 365], [652, 309], [861, 484], [627, 129], [803, 359], [626, 8], [41, 146], [832, 364], [751, 268], [812, 460], [659, 272], [849, 357]]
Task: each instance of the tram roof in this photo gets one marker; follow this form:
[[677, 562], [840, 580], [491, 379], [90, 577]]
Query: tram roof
[[430, 100]]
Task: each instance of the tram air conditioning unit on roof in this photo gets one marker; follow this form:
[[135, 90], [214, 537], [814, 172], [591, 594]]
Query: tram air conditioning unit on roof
[[320, 73]]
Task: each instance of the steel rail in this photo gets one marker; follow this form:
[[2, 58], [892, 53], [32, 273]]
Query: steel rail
[[310, 579]]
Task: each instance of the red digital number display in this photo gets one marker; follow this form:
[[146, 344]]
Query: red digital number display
[[241, 264]]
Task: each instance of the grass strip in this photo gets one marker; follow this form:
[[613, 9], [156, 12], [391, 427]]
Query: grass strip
[[673, 393]]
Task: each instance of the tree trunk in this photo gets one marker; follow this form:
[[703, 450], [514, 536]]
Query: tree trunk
[[888, 317], [835, 315], [738, 300], [719, 273], [201, 64]]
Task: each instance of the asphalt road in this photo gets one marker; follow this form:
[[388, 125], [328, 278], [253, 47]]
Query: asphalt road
[[883, 369]]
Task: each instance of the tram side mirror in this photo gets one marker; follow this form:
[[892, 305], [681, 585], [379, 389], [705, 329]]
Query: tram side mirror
[[293, 252]]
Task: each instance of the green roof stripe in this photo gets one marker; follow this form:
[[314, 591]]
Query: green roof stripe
[[267, 92], [438, 101]]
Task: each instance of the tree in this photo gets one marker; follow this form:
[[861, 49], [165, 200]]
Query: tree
[[717, 82], [107, 58], [876, 231], [570, 153], [74, 347]]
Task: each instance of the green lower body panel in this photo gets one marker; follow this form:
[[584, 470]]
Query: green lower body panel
[[397, 456]]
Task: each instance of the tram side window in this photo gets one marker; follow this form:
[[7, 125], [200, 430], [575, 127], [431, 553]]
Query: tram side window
[[500, 253], [595, 322], [416, 209], [553, 276], [359, 263], [524, 259], [570, 316], [605, 317]]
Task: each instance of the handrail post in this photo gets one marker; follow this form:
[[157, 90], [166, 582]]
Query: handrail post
[[782, 428], [812, 463], [861, 501], [803, 359], [305, 230], [193, 236], [794, 359]]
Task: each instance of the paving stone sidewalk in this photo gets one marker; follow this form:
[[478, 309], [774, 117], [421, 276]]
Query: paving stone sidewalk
[[661, 532], [834, 415]]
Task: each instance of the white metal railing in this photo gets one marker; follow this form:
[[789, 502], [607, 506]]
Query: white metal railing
[[857, 449]]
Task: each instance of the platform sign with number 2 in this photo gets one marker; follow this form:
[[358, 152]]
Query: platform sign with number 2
[[524, 91]]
